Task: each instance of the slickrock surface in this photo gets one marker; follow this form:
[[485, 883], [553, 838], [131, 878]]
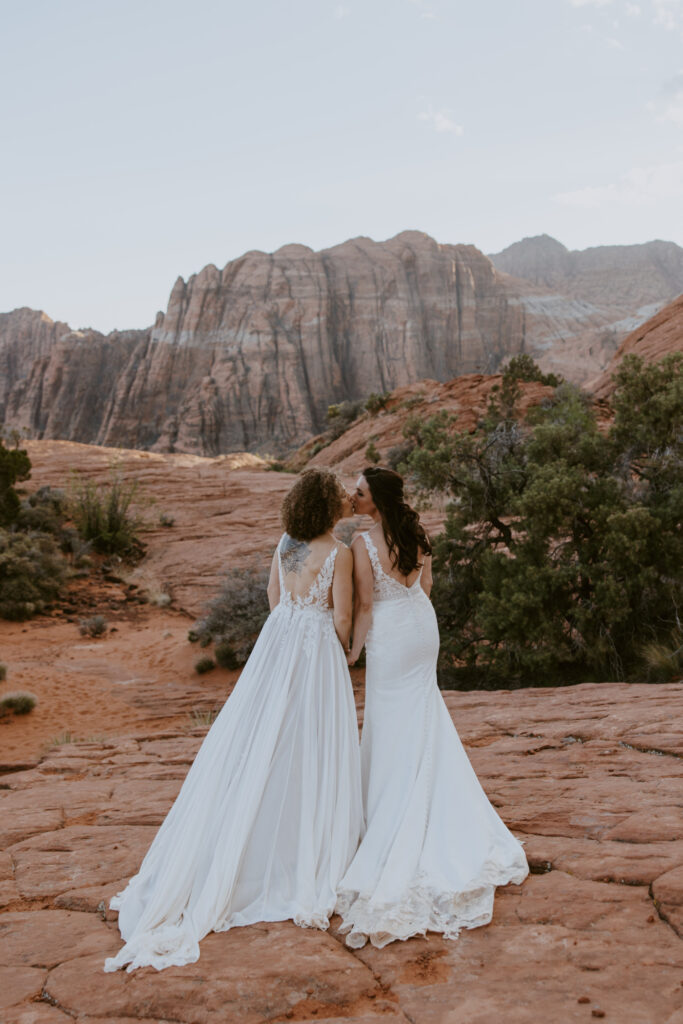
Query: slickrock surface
[[591, 777], [661, 334], [250, 356]]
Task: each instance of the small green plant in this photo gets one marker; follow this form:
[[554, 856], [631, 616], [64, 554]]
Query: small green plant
[[17, 703], [106, 516], [94, 626], [372, 454], [376, 402], [205, 664], [61, 739], [199, 717], [166, 520]]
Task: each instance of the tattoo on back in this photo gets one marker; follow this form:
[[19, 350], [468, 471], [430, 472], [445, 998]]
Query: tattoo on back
[[293, 554]]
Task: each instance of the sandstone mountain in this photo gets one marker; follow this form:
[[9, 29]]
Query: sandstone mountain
[[620, 285], [661, 334], [250, 357]]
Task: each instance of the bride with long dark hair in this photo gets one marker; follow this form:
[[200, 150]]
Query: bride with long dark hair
[[434, 848]]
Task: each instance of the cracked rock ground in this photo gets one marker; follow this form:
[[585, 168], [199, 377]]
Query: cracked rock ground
[[590, 777]]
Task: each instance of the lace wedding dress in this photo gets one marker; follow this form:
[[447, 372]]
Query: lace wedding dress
[[434, 848], [269, 815]]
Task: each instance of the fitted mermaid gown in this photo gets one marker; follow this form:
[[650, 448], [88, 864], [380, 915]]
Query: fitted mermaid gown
[[270, 813], [434, 848]]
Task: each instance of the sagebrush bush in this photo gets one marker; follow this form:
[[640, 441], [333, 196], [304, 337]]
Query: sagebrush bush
[[375, 402], [94, 626], [225, 655], [17, 703], [204, 665], [372, 454], [107, 516], [32, 569], [236, 615], [341, 416]]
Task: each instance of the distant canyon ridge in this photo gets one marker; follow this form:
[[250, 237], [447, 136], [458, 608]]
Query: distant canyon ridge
[[250, 357]]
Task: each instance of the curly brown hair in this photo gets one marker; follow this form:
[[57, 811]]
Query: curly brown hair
[[313, 505]]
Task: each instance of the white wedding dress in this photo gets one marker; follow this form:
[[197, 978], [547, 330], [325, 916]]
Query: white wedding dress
[[434, 847], [270, 813]]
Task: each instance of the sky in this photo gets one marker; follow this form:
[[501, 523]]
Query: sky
[[144, 139]]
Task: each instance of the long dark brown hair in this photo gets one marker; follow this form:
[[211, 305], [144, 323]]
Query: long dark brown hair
[[401, 525]]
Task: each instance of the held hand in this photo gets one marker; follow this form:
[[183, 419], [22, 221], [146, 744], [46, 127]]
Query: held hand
[[352, 657]]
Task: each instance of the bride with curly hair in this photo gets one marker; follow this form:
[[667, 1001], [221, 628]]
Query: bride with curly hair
[[269, 815]]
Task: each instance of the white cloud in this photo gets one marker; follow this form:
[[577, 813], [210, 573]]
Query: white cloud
[[441, 121], [673, 111], [592, 3], [632, 10], [641, 186], [424, 9], [668, 13], [614, 44], [340, 12]]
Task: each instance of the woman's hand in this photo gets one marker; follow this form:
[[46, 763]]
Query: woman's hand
[[352, 657]]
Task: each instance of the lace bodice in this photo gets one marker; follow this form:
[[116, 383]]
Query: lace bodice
[[318, 593], [385, 587]]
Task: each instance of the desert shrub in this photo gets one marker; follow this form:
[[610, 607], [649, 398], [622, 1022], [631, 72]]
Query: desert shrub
[[523, 367], [225, 655], [560, 554], [205, 664], [237, 613], [94, 626], [341, 416], [32, 570], [17, 703], [663, 659], [15, 466], [376, 402], [372, 454], [398, 453], [45, 510], [166, 520], [105, 515]]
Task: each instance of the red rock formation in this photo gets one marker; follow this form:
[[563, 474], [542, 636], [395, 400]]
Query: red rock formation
[[657, 337], [251, 356], [619, 286]]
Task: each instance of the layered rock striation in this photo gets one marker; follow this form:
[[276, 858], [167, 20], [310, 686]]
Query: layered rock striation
[[250, 357]]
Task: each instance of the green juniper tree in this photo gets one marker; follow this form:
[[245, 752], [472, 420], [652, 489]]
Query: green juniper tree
[[561, 554]]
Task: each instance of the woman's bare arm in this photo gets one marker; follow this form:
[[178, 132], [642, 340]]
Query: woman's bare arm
[[342, 594], [426, 577], [273, 588], [363, 583]]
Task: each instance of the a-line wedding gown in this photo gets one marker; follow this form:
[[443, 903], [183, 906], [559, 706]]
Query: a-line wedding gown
[[269, 815], [434, 848]]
